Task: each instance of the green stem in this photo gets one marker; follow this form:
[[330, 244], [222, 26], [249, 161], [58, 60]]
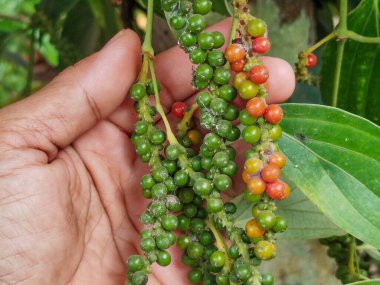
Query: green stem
[[220, 242], [338, 68], [359, 38], [235, 21], [343, 15], [319, 43], [183, 126], [147, 45], [171, 137], [351, 259]]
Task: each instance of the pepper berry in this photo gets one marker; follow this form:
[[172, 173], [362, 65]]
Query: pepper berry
[[261, 45], [238, 66], [270, 173], [234, 52], [256, 107], [277, 190], [273, 114], [259, 74], [253, 230], [311, 60], [179, 109]]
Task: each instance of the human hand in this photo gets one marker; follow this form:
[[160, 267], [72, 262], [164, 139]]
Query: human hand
[[70, 198]]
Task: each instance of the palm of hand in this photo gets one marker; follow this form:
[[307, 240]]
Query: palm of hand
[[70, 198]]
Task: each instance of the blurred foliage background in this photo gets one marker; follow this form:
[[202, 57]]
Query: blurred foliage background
[[38, 38]]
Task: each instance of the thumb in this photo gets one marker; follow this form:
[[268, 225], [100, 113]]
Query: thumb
[[77, 98]]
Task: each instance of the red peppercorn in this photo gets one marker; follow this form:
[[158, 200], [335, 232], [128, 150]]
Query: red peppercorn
[[259, 74], [179, 109], [311, 60], [238, 66], [260, 45], [234, 52], [271, 172], [273, 114], [256, 107], [277, 190]]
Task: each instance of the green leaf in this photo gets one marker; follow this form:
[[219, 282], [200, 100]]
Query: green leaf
[[305, 220], [367, 282], [359, 82], [344, 139], [325, 155], [89, 25], [221, 7]]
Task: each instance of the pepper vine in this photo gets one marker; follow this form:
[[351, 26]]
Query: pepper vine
[[186, 184]]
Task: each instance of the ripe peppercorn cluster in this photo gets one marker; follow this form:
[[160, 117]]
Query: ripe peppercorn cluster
[[186, 183]]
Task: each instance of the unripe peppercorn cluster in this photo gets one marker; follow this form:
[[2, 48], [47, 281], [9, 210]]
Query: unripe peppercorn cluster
[[185, 184]]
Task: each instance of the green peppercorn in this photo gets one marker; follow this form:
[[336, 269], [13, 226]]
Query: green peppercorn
[[187, 39], [266, 219], [157, 208], [198, 56], [218, 106], [227, 92], [275, 133], [183, 222], [246, 119], [233, 251], [147, 218], [214, 205], [216, 58], [231, 113], [218, 259], [148, 244], [157, 137], [190, 210], [221, 76], [267, 279], [221, 159], [280, 224], [147, 181], [204, 72], [204, 99], [223, 128], [194, 250], [159, 191], [202, 187], [197, 23], [195, 275], [137, 91], [205, 40], [177, 22], [218, 39], [135, 263], [222, 182], [139, 278], [197, 225], [169, 222], [163, 258], [202, 7], [183, 242], [251, 134]]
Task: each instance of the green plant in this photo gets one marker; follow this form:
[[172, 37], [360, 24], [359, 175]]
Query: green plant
[[328, 156]]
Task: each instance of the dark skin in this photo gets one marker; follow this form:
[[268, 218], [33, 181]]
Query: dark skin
[[70, 198]]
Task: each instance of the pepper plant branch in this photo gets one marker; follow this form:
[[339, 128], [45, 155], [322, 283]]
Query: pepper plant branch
[[182, 127], [338, 68], [170, 135]]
